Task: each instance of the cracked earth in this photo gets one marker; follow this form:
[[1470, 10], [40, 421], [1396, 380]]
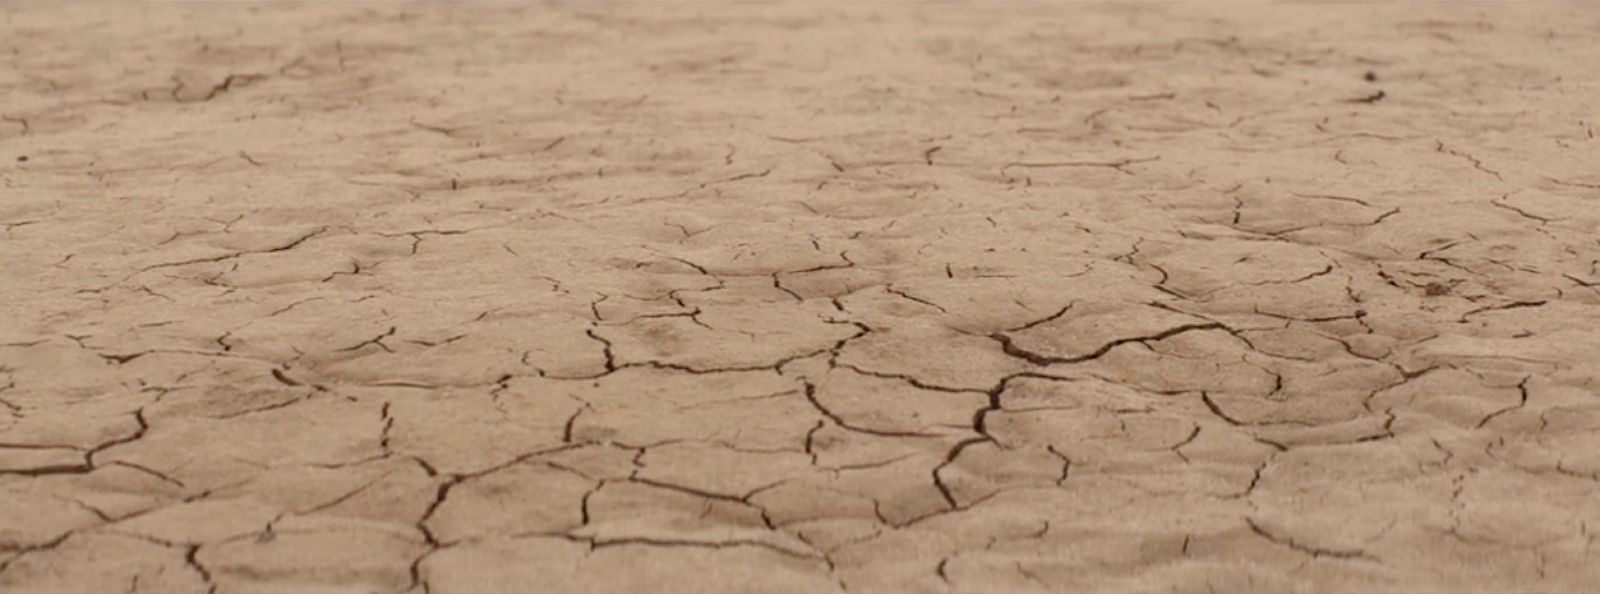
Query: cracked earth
[[381, 298]]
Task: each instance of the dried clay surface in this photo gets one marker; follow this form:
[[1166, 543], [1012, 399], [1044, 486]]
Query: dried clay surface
[[799, 298]]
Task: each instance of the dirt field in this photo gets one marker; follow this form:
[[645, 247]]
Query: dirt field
[[773, 298]]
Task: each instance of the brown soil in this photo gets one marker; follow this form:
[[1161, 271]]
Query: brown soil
[[612, 298]]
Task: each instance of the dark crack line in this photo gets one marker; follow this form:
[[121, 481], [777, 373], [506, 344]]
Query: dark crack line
[[262, 409], [912, 381], [88, 464], [191, 557], [1010, 347], [1512, 305], [950, 458], [19, 552], [1522, 390], [1369, 99], [717, 544], [1335, 198], [811, 396], [1476, 164], [376, 340], [1314, 552], [1066, 465], [1119, 165], [1522, 213], [913, 298], [281, 248], [1050, 318]]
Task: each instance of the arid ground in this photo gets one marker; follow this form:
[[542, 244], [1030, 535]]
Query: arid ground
[[799, 298]]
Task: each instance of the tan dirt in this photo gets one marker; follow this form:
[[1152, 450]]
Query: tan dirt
[[809, 298]]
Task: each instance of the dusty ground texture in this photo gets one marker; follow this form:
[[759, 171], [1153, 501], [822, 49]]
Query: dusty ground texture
[[1016, 298]]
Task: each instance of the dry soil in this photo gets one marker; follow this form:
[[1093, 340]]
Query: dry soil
[[811, 298]]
